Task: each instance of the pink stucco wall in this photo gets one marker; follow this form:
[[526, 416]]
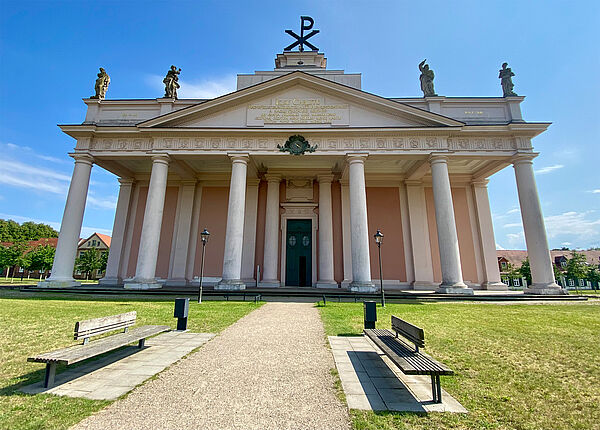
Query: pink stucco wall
[[463, 230], [213, 217], [260, 226], [383, 211], [137, 231]]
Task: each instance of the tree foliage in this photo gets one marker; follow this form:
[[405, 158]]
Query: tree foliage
[[88, 261], [525, 270], [593, 275], [41, 258], [11, 255], [12, 231], [577, 267]]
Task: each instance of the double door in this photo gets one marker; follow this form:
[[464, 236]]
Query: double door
[[298, 255]]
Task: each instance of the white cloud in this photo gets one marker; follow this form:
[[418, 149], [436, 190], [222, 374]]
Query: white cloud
[[513, 211], [516, 240], [30, 152], [499, 247], [549, 169], [584, 226], [513, 224], [597, 191], [104, 203], [197, 89]]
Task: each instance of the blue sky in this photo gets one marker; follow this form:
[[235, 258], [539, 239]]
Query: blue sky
[[50, 53]]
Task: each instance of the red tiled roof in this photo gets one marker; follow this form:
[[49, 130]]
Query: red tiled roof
[[516, 257], [52, 241], [105, 238]]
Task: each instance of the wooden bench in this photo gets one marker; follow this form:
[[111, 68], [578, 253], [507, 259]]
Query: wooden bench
[[93, 327], [409, 359]]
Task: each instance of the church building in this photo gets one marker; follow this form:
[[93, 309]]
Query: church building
[[293, 174]]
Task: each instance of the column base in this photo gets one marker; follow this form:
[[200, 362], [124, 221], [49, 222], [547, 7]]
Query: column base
[[326, 284], [142, 284], [110, 282], [424, 285], [268, 283], [177, 282], [494, 286], [65, 283], [230, 285], [458, 288], [551, 289], [363, 287]]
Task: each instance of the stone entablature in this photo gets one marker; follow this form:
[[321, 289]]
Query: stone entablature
[[373, 144]]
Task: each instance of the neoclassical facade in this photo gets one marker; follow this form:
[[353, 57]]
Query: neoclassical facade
[[293, 173]]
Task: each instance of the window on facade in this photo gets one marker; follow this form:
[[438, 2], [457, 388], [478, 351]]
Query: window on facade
[[571, 283], [581, 283], [563, 264], [503, 264], [516, 283]]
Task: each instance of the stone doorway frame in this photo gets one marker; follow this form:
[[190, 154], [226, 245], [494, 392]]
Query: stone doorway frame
[[299, 211]]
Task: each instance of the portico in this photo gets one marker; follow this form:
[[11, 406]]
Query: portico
[[293, 173]]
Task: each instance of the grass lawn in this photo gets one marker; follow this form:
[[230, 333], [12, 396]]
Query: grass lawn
[[32, 324], [517, 366], [34, 281]]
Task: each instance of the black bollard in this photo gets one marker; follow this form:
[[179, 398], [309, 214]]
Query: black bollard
[[370, 308], [181, 313]]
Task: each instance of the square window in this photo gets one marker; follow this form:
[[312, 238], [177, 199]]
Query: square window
[[571, 283], [516, 282], [581, 282], [503, 264]]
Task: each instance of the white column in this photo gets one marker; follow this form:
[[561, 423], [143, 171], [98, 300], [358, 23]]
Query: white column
[[271, 247], [346, 239], [234, 236], [487, 243], [193, 242], [419, 236], [326, 275], [145, 271], [452, 281], [542, 275], [115, 254], [70, 228], [182, 238], [406, 236], [248, 253], [361, 261]]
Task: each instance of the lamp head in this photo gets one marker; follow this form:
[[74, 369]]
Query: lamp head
[[205, 235], [378, 237]]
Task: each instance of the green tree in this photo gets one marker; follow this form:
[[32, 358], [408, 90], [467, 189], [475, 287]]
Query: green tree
[[88, 261], [577, 267], [525, 270], [11, 231], [103, 261], [11, 255], [557, 272], [593, 275], [42, 258]]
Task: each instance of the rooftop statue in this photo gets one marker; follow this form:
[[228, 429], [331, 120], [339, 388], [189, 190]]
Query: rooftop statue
[[101, 85], [426, 79], [505, 76], [171, 82]]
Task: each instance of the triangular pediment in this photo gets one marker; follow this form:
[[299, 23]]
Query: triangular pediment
[[300, 100]]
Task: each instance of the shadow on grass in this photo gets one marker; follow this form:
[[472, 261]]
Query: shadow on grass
[[66, 373]]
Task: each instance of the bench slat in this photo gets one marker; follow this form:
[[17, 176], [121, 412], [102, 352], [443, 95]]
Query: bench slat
[[96, 326], [76, 353], [409, 361], [411, 332]]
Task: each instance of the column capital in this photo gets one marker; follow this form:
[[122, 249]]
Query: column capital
[[273, 177], [252, 182], [523, 158], [356, 157], [239, 157], [325, 178], [438, 158], [480, 183], [160, 159], [413, 182], [126, 181], [82, 157]]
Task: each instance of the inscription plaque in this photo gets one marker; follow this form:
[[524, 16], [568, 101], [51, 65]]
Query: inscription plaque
[[298, 111]]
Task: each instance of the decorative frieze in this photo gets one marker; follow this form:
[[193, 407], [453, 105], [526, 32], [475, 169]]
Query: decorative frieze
[[360, 143]]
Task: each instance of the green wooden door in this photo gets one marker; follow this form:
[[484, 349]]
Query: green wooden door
[[298, 254]]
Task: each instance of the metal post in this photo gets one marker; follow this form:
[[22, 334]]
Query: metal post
[[381, 276], [201, 272]]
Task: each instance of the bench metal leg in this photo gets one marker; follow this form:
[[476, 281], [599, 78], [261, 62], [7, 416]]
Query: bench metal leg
[[436, 388], [141, 343], [50, 372]]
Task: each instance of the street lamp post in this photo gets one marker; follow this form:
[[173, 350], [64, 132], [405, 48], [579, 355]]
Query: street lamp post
[[204, 235], [379, 240]]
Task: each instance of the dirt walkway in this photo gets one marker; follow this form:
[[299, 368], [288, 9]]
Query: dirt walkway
[[269, 370]]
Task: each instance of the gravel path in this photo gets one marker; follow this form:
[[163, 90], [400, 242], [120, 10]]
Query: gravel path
[[269, 370]]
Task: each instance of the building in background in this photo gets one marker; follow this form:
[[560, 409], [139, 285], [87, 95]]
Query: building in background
[[96, 241]]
